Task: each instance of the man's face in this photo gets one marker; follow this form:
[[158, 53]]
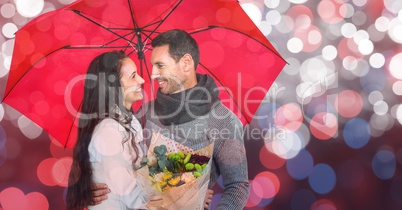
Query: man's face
[[166, 71]]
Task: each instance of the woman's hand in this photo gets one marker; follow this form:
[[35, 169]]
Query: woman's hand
[[99, 193], [208, 198]]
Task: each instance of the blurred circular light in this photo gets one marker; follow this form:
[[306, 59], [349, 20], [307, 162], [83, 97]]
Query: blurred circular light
[[269, 182], [359, 18], [373, 81], [395, 66], [381, 122], [375, 35], [265, 28], [286, 145], [253, 12], [366, 47], [348, 103], [349, 63], [347, 10], [380, 107], [7, 10], [359, 3], [13, 198], [393, 5], [330, 12], [377, 60], [61, 170], [295, 45], [360, 35], [293, 67], [44, 171], [1, 112], [9, 30], [298, 1], [289, 117], [396, 88], [375, 96], [272, 4], [348, 30], [382, 24], [395, 30], [322, 179], [324, 125], [273, 17], [323, 204], [301, 166], [270, 160], [356, 133], [384, 164], [29, 8], [399, 114], [29, 128], [329, 52]]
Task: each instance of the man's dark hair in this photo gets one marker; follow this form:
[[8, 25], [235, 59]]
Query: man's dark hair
[[180, 43]]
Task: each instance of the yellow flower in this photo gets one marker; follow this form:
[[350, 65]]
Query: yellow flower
[[174, 181], [166, 176]]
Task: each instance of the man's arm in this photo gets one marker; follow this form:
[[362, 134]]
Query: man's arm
[[231, 162]]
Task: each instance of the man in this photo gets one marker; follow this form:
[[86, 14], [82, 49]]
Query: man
[[187, 110]]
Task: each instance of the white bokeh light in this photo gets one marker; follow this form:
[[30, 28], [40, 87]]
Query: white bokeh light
[[366, 47], [273, 17], [28, 128], [253, 12], [29, 8], [360, 35], [395, 30], [377, 60], [397, 88], [265, 27], [359, 3], [272, 3], [1, 112], [329, 52], [348, 30], [375, 96], [347, 9], [399, 114], [393, 5], [298, 1], [9, 30], [295, 45], [66, 1], [382, 24], [380, 107], [349, 63], [395, 66], [7, 10]]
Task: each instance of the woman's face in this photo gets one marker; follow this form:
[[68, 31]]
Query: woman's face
[[130, 82]]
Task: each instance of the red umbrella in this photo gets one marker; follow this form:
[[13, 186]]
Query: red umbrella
[[52, 53]]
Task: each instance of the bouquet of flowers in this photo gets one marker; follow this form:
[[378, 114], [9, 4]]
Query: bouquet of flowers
[[177, 173]]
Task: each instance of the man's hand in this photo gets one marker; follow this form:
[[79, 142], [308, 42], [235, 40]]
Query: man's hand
[[208, 198], [99, 193]]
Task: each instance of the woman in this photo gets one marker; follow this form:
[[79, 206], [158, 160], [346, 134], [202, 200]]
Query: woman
[[109, 144]]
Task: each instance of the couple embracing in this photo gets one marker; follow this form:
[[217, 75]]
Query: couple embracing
[[186, 115]]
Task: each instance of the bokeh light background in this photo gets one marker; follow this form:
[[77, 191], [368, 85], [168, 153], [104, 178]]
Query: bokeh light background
[[327, 137]]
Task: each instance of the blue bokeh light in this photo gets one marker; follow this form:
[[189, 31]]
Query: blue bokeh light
[[301, 166], [356, 133], [373, 81], [265, 115], [322, 180], [384, 164]]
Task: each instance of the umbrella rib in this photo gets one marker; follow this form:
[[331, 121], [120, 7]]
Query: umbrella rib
[[164, 19], [132, 14], [4, 97], [72, 125], [223, 27], [220, 82], [98, 24]]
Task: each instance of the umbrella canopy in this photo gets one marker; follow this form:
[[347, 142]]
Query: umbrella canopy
[[53, 51]]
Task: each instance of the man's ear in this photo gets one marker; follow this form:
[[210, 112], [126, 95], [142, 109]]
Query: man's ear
[[187, 62]]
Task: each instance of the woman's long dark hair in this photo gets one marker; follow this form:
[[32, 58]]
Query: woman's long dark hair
[[102, 91]]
